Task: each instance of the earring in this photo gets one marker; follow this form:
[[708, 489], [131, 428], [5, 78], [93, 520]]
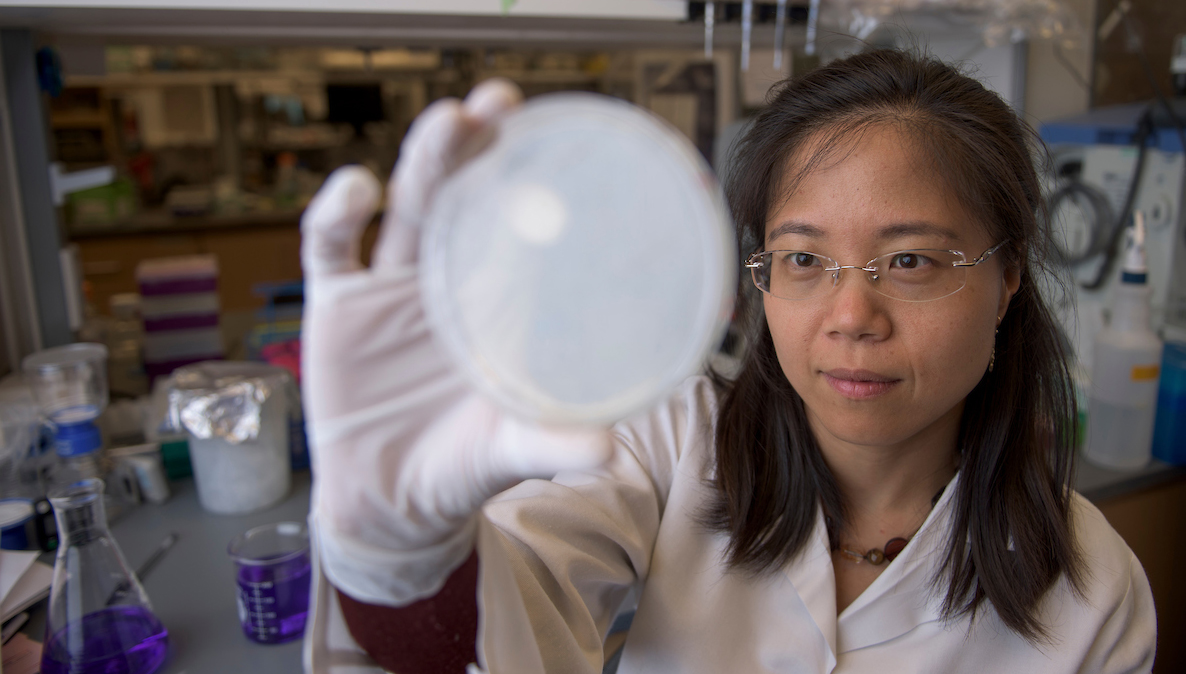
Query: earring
[[992, 359]]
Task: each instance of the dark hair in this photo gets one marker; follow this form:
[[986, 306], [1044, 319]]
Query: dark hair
[[1011, 536]]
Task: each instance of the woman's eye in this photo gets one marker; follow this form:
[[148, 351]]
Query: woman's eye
[[803, 259], [909, 261]]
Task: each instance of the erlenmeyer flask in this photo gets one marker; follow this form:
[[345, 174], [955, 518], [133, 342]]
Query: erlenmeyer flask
[[100, 619]]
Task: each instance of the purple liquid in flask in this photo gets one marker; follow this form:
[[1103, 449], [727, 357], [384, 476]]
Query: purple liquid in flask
[[273, 579], [115, 640], [99, 619]]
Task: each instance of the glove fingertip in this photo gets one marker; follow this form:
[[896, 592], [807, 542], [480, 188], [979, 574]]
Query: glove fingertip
[[350, 193], [492, 98], [332, 224]]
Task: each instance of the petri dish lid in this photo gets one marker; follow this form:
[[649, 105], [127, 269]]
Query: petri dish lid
[[14, 511], [583, 264], [61, 357]]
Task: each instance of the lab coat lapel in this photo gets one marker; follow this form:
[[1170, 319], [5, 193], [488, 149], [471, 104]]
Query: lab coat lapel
[[904, 596], [815, 582]]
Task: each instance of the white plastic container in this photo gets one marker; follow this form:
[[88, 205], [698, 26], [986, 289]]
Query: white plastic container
[[236, 416], [248, 476], [1124, 376]]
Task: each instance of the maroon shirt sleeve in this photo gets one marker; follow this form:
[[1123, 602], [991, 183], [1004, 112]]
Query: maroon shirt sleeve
[[436, 635]]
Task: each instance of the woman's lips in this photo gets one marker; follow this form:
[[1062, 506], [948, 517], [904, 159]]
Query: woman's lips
[[859, 384]]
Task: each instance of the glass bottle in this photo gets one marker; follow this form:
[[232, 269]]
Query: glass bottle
[[125, 346], [100, 619]]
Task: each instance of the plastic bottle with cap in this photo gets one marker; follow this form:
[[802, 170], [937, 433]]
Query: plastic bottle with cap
[[77, 447], [1125, 369]]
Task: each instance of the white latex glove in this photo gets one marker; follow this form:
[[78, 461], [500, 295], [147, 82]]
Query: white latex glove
[[404, 450]]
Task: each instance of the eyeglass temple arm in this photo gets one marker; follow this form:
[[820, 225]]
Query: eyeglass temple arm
[[982, 258]]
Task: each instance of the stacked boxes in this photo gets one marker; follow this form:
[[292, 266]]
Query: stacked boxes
[[179, 305]]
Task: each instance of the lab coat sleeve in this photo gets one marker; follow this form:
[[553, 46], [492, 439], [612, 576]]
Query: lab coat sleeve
[[1118, 591], [559, 558], [1127, 641]]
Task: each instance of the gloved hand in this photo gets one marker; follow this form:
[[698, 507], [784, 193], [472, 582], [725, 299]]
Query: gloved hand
[[404, 450]]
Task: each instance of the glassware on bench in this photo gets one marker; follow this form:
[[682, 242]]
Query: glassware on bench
[[100, 619], [273, 573]]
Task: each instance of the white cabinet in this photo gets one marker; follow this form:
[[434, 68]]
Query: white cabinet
[[603, 9]]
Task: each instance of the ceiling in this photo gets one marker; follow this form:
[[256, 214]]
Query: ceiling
[[236, 27]]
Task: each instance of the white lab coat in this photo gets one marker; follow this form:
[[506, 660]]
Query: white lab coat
[[560, 558]]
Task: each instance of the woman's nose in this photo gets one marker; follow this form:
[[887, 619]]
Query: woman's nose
[[856, 310]]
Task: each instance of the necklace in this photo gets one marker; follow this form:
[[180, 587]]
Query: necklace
[[876, 556], [892, 548]]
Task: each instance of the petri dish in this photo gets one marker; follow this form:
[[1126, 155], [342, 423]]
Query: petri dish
[[583, 264]]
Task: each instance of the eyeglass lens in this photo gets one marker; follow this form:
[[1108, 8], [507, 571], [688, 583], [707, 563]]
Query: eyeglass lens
[[911, 275]]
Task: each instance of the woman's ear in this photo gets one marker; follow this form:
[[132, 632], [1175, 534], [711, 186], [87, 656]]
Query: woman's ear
[[1010, 282]]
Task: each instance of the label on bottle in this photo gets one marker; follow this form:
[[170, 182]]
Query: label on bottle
[[1145, 372], [1125, 377]]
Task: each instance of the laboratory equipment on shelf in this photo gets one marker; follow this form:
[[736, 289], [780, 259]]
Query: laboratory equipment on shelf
[[273, 572], [179, 307], [1125, 369], [69, 383], [1108, 164], [100, 619], [125, 346]]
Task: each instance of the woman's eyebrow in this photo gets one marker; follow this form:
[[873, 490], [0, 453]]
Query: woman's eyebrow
[[896, 230], [916, 228], [796, 227]]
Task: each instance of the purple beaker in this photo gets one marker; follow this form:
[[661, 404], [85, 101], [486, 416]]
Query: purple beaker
[[272, 574]]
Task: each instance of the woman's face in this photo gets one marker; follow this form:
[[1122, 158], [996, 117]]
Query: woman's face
[[874, 370]]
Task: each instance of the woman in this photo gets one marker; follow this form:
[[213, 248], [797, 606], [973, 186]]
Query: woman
[[884, 485]]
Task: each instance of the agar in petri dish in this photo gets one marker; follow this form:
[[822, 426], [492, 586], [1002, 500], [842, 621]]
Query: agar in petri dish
[[583, 264]]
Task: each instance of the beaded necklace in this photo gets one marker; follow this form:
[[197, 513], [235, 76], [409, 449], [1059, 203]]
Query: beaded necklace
[[892, 548]]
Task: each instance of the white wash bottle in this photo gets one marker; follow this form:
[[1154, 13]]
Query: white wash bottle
[[1125, 369]]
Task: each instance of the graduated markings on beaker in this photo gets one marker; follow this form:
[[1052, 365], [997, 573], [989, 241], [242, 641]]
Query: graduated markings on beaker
[[252, 605]]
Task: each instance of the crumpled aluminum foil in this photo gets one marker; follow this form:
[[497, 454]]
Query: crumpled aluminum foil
[[223, 399]]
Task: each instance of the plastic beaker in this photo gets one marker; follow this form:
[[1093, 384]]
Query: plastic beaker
[[68, 382], [100, 619], [236, 415], [273, 571]]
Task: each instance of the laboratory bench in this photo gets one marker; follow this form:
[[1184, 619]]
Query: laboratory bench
[[192, 587], [251, 250], [162, 222], [1100, 485]]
